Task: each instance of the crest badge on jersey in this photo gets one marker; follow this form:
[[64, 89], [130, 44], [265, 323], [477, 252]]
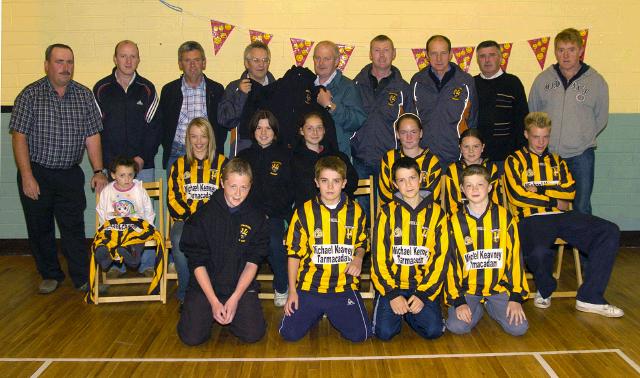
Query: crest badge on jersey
[[529, 172], [496, 236], [425, 231], [187, 175], [393, 97], [349, 232], [307, 98], [468, 240], [317, 233], [275, 167], [397, 232], [556, 171], [244, 232], [456, 93]]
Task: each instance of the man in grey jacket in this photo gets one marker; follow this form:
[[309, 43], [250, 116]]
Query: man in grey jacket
[[576, 97]]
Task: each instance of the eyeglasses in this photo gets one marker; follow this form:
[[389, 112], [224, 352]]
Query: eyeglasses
[[259, 60]]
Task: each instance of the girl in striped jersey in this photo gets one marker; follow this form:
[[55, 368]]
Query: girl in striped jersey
[[409, 132], [192, 180], [471, 148], [409, 252], [485, 263], [326, 243]]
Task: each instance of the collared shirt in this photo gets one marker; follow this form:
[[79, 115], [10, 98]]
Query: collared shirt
[[316, 82], [194, 104], [130, 81], [497, 74], [56, 127]]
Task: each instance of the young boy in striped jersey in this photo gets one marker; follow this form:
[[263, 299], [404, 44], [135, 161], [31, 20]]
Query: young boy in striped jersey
[[485, 264], [409, 250], [326, 243]]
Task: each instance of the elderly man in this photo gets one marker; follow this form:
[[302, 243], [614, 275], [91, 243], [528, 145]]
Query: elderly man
[[53, 120], [576, 97], [502, 105], [444, 97], [128, 103], [244, 96], [338, 94], [192, 95]]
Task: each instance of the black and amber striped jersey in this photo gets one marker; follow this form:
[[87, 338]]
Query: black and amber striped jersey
[[485, 256], [409, 248], [325, 240], [429, 165], [123, 232], [454, 196], [534, 184], [190, 187]]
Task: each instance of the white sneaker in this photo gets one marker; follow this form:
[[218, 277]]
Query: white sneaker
[[541, 302], [280, 299], [610, 311]]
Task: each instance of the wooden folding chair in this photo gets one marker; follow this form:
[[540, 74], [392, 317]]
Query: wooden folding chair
[[167, 244], [366, 188], [559, 256], [154, 189]]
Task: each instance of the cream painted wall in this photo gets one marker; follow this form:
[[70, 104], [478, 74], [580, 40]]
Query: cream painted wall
[[93, 27]]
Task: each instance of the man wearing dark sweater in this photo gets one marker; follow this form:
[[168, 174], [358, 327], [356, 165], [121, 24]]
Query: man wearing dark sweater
[[503, 105]]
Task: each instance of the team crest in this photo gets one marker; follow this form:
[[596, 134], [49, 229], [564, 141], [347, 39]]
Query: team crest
[[393, 97], [349, 232], [424, 178], [317, 233], [496, 236], [187, 175], [455, 95], [529, 172], [467, 240], [307, 94], [244, 232], [397, 232], [556, 171], [275, 167], [425, 231], [214, 173]]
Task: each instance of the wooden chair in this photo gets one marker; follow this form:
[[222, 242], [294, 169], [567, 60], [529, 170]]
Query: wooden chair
[[155, 191], [559, 256], [167, 244]]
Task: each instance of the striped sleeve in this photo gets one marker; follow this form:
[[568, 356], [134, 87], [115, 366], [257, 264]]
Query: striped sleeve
[[177, 202], [516, 278], [385, 188], [565, 190], [452, 189], [297, 236], [380, 254], [455, 274], [518, 195], [434, 279]]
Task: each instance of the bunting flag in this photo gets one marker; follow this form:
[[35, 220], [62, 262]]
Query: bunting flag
[[505, 50], [301, 49], [584, 33], [463, 56], [220, 32], [540, 47], [420, 55], [255, 35], [345, 54]]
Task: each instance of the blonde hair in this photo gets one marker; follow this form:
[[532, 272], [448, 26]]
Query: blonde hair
[[537, 119], [204, 125], [570, 35]]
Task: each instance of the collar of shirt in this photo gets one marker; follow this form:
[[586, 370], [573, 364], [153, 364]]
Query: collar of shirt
[[69, 88], [497, 74], [316, 82], [130, 81], [200, 86]]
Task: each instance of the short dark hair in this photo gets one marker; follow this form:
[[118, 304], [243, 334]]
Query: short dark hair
[[190, 46], [312, 114], [471, 133], [476, 169], [263, 114], [380, 38], [47, 52], [404, 162], [123, 161], [488, 43], [333, 163], [412, 116], [256, 45], [239, 166], [438, 36]]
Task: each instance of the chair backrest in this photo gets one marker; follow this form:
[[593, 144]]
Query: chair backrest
[[365, 187]]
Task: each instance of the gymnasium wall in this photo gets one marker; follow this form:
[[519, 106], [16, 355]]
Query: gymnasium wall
[[92, 28]]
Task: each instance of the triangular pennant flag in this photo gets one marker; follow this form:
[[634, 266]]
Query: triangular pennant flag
[[301, 49], [345, 54], [505, 51], [220, 32], [463, 56], [584, 33], [540, 47], [420, 55], [255, 35]]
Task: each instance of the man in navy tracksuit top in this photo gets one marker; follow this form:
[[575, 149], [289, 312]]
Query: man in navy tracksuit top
[[384, 95], [225, 241], [444, 97]]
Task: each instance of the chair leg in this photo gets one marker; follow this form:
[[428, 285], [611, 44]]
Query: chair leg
[[556, 275], [96, 286]]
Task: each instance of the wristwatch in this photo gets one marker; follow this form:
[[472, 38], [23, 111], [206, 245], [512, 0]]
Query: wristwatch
[[329, 107], [95, 172]]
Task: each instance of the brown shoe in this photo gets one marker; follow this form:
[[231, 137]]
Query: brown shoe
[[47, 286], [114, 272], [149, 272]]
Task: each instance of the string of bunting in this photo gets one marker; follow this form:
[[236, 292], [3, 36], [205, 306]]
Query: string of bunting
[[301, 48]]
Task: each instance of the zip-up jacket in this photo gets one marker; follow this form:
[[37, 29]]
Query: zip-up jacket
[[548, 173], [171, 104], [578, 112], [446, 110], [409, 249], [382, 104], [224, 240], [454, 196], [272, 189], [429, 167], [131, 126]]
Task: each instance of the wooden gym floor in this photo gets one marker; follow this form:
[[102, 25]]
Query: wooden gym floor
[[59, 335]]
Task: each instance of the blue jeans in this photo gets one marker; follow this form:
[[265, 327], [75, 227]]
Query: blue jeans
[[365, 170], [582, 169], [277, 254], [177, 150], [182, 267], [147, 175], [496, 306], [386, 324]]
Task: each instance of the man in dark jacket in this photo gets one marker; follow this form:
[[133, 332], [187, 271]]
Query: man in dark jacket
[[225, 241], [192, 95]]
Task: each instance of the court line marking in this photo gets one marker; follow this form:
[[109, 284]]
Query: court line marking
[[628, 359], [545, 365], [41, 369]]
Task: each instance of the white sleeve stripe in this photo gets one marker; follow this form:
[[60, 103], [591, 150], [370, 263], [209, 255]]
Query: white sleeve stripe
[[152, 109]]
